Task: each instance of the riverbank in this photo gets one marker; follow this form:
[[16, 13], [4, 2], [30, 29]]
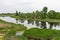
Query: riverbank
[[44, 20], [18, 17], [6, 27], [12, 25]]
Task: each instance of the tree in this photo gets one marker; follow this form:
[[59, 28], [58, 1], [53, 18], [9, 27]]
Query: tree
[[17, 13], [38, 14], [41, 14], [52, 14], [44, 12]]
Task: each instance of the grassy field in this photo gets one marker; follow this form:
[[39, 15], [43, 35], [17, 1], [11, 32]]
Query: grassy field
[[6, 27], [9, 25], [42, 33]]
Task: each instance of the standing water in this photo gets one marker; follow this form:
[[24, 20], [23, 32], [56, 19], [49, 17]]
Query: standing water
[[32, 24]]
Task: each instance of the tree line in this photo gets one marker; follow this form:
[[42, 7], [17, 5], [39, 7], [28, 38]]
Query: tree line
[[40, 14]]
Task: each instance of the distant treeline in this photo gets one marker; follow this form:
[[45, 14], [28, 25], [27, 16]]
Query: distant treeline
[[43, 14], [40, 14]]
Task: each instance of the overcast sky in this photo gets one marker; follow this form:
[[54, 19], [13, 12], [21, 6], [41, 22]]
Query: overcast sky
[[28, 5]]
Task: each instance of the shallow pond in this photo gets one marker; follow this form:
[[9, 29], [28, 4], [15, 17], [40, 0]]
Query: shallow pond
[[32, 24]]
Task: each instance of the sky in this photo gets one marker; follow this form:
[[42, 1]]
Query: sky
[[28, 5]]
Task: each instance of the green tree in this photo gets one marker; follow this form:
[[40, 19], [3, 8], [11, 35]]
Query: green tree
[[17, 13], [41, 14], [52, 14], [44, 12], [37, 14]]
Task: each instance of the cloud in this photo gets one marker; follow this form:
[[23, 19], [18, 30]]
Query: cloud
[[28, 5]]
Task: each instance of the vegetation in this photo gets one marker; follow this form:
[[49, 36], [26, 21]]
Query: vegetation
[[42, 33], [12, 25], [39, 15], [6, 14], [9, 29]]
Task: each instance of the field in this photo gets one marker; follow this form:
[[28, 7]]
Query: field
[[6, 27]]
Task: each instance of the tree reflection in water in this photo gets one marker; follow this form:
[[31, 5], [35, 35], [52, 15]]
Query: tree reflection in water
[[40, 24], [37, 23], [22, 21], [17, 21], [53, 24], [43, 25]]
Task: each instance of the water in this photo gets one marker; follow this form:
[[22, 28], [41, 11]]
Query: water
[[32, 24]]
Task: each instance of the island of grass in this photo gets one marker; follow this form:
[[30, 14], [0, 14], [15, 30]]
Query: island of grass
[[42, 34]]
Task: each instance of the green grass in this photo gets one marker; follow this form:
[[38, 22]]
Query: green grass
[[16, 27], [12, 25], [1, 38], [45, 20], [42, 33], [6, 14], [38, 32]]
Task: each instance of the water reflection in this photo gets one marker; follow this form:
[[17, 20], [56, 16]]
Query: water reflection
[[43, 24], [33, 24], [30, 21], [53, 24], [37, 23], [17, 21], [22, 21]]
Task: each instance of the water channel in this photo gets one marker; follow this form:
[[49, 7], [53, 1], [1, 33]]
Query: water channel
[[32, 24]]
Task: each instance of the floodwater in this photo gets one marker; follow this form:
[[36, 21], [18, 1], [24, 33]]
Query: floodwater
[[32, 24]]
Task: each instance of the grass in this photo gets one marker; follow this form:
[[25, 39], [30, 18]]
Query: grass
[[1, 38], [42, 33], [45, 20], [6, 14], [12, 25], [6, 29]]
